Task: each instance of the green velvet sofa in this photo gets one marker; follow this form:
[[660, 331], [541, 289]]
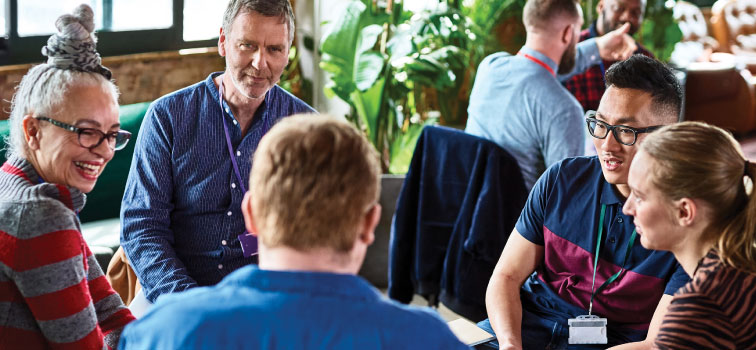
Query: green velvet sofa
[[100, 216]]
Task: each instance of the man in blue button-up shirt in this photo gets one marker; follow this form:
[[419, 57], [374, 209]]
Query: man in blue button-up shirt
[[313, 202], [180, 213]]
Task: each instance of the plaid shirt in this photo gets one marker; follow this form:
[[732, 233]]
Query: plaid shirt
[[589, 86]]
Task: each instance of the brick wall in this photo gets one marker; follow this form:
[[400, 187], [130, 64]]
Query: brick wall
[[140, 77]]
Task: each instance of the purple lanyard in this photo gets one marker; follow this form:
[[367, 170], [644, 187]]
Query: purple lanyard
[[228, 142], [248, 242]]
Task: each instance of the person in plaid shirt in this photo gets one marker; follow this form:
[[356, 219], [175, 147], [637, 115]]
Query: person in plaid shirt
[[589, 86]]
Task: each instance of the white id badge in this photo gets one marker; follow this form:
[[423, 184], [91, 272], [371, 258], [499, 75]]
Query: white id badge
[[587, 329]]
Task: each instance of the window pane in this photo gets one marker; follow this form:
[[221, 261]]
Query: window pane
[[202, 19], [142, 14], [37, 17], [3, 32]]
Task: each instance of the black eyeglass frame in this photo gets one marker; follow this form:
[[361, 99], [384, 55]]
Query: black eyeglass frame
[[123, 134], [589, 117]]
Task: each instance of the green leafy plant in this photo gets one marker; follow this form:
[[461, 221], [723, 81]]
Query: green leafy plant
[[399, 71]]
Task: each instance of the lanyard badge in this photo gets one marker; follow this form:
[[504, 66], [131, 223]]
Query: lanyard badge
[[247, 240], [591, 329]]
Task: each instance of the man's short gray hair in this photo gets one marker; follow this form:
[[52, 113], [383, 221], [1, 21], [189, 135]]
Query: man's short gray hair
[[42, 91], [268, 8]]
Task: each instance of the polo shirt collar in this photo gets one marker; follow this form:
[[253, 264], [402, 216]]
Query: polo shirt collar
[[548, 61], [609, 193]]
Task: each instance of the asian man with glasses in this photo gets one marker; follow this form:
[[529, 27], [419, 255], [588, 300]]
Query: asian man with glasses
[[573, 252]]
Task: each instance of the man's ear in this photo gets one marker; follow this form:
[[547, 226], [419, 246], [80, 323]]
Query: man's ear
[[567, 34], [249, 219], [369, 222], [222, 43], [599, 7], [31, 131], [686, 212]]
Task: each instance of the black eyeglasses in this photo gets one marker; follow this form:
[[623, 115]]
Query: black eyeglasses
[[623, 134], [91, 138]]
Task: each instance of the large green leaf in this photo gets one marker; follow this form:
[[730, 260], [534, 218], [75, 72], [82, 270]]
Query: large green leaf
[[368, 107], [368, 70]]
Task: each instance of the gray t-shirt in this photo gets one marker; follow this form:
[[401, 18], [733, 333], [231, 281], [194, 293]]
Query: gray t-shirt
[[519, 104]]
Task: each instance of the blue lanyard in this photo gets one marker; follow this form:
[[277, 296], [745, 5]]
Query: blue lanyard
[[228, 141], [595, 261]]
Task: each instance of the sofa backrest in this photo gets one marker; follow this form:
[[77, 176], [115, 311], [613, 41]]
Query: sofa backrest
[[104, 202]]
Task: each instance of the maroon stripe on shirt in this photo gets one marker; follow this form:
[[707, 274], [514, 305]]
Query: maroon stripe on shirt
[[48, 306], [58, 246], [14, 171], [630, 300]]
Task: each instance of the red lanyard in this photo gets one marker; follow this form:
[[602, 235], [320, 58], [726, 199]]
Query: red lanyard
[[537, 61]]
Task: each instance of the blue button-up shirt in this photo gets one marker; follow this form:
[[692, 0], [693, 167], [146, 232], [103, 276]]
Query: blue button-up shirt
[[181, 212], [262, 309]]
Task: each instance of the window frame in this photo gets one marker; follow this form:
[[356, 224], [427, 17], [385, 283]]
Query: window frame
[[18, 50]]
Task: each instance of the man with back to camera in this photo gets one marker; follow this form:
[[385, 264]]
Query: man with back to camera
[[313, 202], [545, 274], [588, 87], [181, 222], [517, 100]]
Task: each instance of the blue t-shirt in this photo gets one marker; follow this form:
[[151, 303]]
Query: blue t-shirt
[[262, 309], [562, 215]]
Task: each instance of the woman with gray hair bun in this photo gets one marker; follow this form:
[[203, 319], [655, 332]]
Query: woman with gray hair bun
[[64, 130]]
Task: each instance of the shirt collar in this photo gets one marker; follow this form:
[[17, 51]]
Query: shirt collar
[[306, 282], [210, 83], [71, 197], [548, 61], [609, 193], [592, 29]]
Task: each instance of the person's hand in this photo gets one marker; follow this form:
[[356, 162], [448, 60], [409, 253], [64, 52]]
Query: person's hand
[[616, 45]]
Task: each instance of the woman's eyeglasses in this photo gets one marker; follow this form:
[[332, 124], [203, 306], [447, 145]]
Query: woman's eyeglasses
[[90, 138]]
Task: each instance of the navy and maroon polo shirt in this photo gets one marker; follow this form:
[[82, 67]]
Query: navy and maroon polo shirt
[[562, 215]]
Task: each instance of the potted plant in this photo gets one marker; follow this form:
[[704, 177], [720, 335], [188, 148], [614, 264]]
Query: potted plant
[[399, 71]]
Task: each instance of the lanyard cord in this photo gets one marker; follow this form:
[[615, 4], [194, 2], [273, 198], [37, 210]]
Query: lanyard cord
[[538, 62], [595, 261], [228, 140]]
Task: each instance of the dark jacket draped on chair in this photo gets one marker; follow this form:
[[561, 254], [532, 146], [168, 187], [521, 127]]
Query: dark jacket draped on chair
[[458, 205]]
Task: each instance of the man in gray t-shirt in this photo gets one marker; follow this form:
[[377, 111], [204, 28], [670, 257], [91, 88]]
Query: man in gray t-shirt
[[518, 101]]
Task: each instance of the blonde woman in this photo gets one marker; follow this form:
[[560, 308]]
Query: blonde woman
[[692, 194]]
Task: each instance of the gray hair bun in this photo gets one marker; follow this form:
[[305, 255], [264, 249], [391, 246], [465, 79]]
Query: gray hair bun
[[74, 45]]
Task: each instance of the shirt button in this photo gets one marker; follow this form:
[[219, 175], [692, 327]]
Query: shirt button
[[233, 185], [224, 242], [238, 153], [611, 240], [229, 213], [235, 122], [220, 266], [227, 110], [619, 220]]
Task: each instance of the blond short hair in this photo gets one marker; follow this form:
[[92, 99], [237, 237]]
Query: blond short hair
[[313, 180]]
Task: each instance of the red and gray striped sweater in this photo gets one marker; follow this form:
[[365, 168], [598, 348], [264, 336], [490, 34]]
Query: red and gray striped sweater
[[53, 294]]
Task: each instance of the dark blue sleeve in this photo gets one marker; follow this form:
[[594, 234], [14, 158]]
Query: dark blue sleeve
[[146, 235], [679, 279], [531, 221]]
